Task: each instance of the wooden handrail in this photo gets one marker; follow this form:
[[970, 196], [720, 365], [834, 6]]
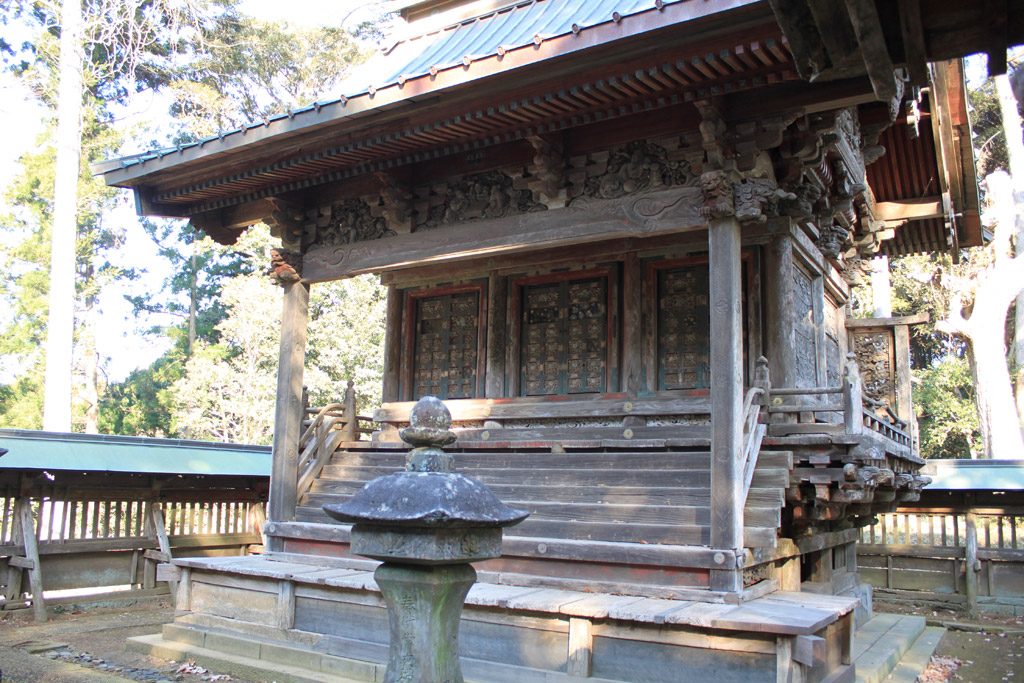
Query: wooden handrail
[[753, 429]]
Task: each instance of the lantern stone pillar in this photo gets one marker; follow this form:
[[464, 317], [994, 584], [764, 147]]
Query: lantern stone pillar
[[426, 524]]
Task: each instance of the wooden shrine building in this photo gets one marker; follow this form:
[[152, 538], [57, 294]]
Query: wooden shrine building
[[619, 238]]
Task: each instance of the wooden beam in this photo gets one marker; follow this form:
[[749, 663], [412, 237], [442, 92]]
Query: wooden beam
[[658, 213], [868, 28], [914, 53], [917, 209], [725, 266], [288, 413]]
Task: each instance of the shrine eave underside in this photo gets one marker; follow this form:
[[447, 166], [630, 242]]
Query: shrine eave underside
[[652, 59]]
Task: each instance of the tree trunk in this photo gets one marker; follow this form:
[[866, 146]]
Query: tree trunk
[[90, 368], [1012, 129], [997, 413], [60, 322]]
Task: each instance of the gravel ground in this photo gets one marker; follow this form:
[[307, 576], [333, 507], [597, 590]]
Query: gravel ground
[[88, 646], [989, 650]]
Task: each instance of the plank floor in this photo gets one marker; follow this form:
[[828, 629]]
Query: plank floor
[[779, 613]]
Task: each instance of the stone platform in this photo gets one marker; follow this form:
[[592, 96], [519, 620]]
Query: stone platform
[[328, 619]]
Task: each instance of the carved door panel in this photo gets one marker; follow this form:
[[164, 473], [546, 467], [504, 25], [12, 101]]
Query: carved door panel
[[445, 351], [564, 337], [684, 344]]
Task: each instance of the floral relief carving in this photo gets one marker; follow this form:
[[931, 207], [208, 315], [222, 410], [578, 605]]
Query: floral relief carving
[[636, 167], [349, 221], [484, 195]]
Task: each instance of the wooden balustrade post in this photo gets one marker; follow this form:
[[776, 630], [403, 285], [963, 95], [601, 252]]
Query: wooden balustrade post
[[762, 380], [351, 422], [853, 397]]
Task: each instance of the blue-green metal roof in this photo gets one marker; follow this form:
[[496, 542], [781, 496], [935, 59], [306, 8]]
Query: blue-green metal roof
[[53, 451], [968, 475], [512, 25], [509, 27]]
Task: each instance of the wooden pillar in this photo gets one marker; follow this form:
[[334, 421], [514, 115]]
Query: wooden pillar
[[632, 326], [780, 316], [393, 345], [726, 394], [497, 334], [288, 411]]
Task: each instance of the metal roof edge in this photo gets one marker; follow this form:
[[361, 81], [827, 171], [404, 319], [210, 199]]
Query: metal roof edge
[[117, 439]]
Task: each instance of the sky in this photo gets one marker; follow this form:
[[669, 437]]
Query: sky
[[122, 344]]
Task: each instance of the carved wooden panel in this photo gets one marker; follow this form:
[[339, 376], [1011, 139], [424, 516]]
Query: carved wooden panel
[[875, 351], [445, 346], [805, 332], [684, 349], [833, 350], [564, 337]]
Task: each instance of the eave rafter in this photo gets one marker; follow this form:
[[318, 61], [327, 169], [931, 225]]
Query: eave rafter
[[701, 71]]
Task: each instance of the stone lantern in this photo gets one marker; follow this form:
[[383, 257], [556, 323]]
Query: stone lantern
[[426, 524]]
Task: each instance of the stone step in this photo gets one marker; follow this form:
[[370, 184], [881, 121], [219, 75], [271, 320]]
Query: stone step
[[917, 657], [881, 643], [234, 656]]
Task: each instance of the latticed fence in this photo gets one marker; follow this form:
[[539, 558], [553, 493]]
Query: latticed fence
[[958, 555], [98, 539]]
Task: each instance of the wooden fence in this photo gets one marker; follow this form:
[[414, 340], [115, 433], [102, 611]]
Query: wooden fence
[[100, 539], [972, 557]]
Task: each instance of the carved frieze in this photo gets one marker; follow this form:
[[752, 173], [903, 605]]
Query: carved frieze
[[637, 167], [346, 222], [484, 195]]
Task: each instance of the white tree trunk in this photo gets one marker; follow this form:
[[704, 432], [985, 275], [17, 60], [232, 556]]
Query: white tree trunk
[[1012, 128], [881, 287], [61, 319]]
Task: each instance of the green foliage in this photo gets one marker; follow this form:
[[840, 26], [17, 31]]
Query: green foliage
[[228, 389], [918, 286], [989, 139], [141, 405], [346, 341], [254, 69], [947, 417]]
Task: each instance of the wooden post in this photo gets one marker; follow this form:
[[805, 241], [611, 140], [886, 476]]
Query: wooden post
[[284, 473], [581, 648], [23, 517], [259, 520], [726, 395], [156, 521], [351, 423], [780, 318], [971, 564], [393, 345], [853, 397]]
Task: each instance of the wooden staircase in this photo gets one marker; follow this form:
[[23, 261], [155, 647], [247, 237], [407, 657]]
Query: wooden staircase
[[644, 495]]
